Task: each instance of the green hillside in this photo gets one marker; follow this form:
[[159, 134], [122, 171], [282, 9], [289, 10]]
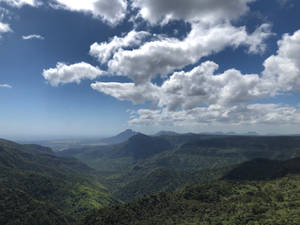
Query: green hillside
[[33, 181], [179, 179], [164, 180], [269, 201]]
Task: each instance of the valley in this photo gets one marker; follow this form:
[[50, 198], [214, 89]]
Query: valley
[[162, 179]]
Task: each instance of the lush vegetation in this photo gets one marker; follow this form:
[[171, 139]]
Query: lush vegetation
[[37, 187], [235, 199], [169, 179]]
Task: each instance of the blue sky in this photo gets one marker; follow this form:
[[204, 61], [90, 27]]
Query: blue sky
[[93, 68]]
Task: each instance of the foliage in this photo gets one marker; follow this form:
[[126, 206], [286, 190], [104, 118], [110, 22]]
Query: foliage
[[36, 182], [188, 179], [222, 202]]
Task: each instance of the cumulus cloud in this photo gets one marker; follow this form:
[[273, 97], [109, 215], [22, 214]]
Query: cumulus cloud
[[201, 95], [20, 3], [33, 36], [282, 71], [187, 90], [224, 98], [5, 86], [63, 73], [104, 51], [4, 28], [215, 114], [161, 57], [112, 11], [202, 86], [128, 91], [207, 11]]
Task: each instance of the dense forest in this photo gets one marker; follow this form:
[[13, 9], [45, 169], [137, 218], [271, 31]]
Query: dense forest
[[167, 179], [256, 192], [37, 187]]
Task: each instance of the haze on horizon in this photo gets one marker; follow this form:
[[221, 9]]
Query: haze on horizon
[[93, 68]]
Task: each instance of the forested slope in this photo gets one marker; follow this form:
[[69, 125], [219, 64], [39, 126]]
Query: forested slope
[[33, 181]]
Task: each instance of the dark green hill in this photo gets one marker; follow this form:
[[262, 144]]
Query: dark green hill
[[244, 202], [163, 180], [168, 180], [142, 146], [33, 180], [264, 169], [17, 207]]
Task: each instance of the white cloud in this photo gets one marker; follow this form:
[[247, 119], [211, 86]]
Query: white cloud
[[33, 36], [282, 71], [20, 3], [206, 11], [217, 115], [4, 28], [112, 11], [202, 97], [4, 13], [5, 86], [63, 73], [128, 91], [202, 86], [161, 57], [104, 51], [187, 90]]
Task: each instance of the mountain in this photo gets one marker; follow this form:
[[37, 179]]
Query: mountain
[[119, 138], [141, 146], [37, 187], [120, 156], [271, 201]]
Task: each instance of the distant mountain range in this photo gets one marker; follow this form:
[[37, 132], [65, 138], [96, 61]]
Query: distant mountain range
[[64, 144]]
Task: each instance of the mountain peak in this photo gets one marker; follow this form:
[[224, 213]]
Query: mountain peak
[[121, 137]]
